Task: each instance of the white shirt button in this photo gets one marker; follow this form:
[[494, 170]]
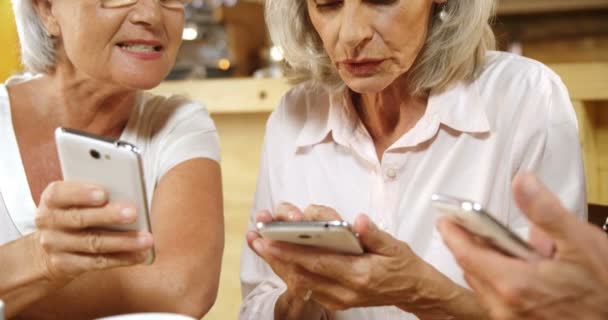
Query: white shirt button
[[391, 173]]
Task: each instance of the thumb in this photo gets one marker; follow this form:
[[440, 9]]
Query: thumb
[[373, 239], [542, 207]]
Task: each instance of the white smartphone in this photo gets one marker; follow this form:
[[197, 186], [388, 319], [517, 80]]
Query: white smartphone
[[331, 235], [114, 165], [472, 217]]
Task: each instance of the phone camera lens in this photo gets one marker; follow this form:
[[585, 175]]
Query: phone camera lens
[[95, 154]]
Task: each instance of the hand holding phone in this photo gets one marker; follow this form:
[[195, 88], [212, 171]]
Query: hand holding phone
[[330, 235], [472, 217], [114, 165]]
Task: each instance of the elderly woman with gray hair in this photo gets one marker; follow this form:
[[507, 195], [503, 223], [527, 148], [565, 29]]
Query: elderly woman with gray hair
[[90, 62], [399, 99]]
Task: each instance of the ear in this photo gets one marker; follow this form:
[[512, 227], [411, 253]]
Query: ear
[[44, 9]]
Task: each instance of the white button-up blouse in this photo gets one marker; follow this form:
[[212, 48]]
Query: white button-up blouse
[[470, 142]]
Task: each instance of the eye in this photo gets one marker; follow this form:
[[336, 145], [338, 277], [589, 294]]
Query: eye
[[170, 4], [383, 2], [117, 3], [175, 4], [328, 4]]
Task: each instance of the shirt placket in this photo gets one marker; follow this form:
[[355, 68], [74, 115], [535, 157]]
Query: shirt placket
[[391, 171]]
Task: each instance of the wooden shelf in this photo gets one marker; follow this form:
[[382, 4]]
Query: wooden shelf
[[585, 82], [517, 7], [234, 95]]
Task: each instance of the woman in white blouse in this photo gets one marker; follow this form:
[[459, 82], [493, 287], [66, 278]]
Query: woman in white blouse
[[92, 61], [399, 99]]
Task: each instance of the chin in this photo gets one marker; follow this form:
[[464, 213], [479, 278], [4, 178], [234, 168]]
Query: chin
[[141, 81], [366, 85], [370, 84]]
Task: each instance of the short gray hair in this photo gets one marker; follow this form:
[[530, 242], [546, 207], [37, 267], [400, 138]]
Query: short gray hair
[[37, 46], [455, 49]]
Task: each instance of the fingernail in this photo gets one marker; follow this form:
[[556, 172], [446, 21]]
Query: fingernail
[[274, 251], [98, 196], [530, 188], [258, 245], [128, 213], [144, 239], [439, 223], [291, 215]]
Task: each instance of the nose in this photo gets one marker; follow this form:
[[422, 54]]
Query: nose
[[147, 12], [355, 27]]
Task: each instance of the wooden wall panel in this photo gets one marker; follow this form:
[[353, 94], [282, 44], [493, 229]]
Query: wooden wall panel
[[241, 138], [9, 54], [507, 7]]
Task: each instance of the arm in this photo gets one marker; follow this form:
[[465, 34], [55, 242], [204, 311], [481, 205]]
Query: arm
[[23, 281], [552, 151], [64, 247], [570, 285], [388, 273], [187, 224], [265, 295]]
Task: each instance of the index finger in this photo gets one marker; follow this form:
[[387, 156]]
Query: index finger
[[70, 194], [320, 213], [288, 212], [480, 262], [543, 208]]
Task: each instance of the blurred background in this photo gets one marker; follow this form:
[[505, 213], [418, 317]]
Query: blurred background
[[228, 38], [228, 63]]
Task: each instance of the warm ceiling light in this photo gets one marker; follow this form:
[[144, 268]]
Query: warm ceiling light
[[276, 54], [223, 64], [190, 33]]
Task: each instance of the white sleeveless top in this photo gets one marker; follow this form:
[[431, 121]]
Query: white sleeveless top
[[167, 131]]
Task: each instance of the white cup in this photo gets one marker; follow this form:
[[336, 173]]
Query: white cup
[[1, 310], [147, 316]]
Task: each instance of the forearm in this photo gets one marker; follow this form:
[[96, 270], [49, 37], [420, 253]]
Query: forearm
[[23, 279], [128, 290], [438, 297], [289, 307], [460, 305]]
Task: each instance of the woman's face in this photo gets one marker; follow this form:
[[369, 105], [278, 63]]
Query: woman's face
[[371, 42], [129, 43]]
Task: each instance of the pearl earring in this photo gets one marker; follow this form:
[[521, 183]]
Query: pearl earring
[[443, 13]]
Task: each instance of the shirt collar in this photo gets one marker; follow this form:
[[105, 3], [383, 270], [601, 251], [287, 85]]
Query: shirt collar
[[328, 113], [460, 108]]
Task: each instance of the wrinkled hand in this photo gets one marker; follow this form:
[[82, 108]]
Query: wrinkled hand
[[388, 273], [571, 284], [69, 241]]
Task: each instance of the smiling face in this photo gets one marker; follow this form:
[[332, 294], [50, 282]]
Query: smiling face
[[131, 44], [371, 42]]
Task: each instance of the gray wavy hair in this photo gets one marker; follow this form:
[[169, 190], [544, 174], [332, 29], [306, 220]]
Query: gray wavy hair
[[37, 46], [455, 49]]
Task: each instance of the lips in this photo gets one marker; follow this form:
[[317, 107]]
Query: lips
[[362, 67], [142, 49]]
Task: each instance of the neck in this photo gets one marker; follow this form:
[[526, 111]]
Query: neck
[[389, 114], [71, 100]]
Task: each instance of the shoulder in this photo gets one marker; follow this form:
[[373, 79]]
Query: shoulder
[[515, 73], [301, 104], [174, 106], [514, 87], [166, 113]]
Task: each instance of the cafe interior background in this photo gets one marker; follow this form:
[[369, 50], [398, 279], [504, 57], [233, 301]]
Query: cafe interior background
[[228, 63]]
